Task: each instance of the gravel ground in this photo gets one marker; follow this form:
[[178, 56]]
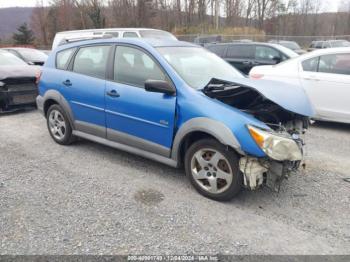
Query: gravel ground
[[91, 199]]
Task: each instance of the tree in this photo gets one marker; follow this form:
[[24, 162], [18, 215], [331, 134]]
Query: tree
[[39, 23], [25, 36]]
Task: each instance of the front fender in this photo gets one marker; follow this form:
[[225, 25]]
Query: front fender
[[212, 127]]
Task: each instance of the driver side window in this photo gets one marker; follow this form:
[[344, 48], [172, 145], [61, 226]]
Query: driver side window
[[134, 67]]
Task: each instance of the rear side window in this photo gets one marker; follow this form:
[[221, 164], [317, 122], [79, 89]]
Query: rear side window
[[91, 61], [114, 34], [63, 58], [310, 65], [134, 67], [218, 49], [335, 64], [130, 34], [319, 45], [240, 51], [326, 45]]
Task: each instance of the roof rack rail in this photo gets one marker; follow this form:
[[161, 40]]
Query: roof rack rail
[[79, 39]]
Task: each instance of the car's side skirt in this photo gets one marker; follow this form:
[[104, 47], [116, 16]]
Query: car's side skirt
[[137, 142], [133, 150], [122, 138], [91, 129]]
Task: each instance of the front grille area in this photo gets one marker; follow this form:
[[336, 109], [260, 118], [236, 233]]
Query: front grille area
[[18, 92], [18, 80], [21, 87]]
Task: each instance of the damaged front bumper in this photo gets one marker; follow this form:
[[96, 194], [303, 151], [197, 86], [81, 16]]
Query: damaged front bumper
[[17, 94], [258, 172], [284, 153]]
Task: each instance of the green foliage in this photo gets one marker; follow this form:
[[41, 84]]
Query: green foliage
[[24, 36]]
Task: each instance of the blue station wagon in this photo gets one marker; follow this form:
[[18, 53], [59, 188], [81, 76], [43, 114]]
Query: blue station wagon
[[178, 104]]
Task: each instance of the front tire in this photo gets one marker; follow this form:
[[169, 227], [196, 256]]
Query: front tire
[[59, 126], [213, 170]]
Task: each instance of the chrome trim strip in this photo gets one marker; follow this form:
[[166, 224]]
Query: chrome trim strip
[[136, 151], [88, 106], [89, 128], [136, 118], [134, 141]]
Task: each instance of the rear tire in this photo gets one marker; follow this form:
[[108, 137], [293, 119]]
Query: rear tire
[[59, 126], [213, 170]]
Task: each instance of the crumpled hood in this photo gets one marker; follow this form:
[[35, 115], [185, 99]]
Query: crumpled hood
[[290, 97], [18, 71]]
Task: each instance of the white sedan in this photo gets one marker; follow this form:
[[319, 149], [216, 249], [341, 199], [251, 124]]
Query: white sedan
[[325, 76]]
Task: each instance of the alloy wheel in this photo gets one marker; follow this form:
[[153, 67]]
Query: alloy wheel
[[211, 170], [57, 124]]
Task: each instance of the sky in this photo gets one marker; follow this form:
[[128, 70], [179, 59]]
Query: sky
[[332, 5]]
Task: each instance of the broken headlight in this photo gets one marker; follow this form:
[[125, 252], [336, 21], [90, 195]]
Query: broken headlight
[[276, 146]]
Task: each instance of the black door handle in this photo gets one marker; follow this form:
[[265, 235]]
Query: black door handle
[[113, 93], [67, 83]]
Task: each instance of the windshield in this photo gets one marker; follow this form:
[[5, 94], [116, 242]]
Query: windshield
[[198, 66], [157, 34], [32, 55], [288, 52], [291, 45], [341, 43], [8, 59]]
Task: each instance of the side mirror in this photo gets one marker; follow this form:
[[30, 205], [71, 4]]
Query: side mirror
[[159, 86]]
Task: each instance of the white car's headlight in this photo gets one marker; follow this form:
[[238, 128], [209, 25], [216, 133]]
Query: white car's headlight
[[276, 146]]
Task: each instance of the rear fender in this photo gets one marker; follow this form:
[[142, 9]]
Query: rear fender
[[56, 96]]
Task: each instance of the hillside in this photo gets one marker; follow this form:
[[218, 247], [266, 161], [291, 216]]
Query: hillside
[[11, 18]]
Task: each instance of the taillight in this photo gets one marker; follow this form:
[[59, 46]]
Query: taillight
[[37, 77], [256, 76]]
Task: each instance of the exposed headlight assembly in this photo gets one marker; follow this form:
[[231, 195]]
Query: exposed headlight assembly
[[276, 146]]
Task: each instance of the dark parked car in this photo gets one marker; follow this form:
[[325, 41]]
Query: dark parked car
[[17, 83], [203, 40], [29, 55], [244, 56], [291, 45]]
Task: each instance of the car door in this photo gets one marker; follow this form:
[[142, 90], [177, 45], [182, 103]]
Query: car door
[[134, 116], [326, 79], [266, 55], [241, 57], [83, 86]]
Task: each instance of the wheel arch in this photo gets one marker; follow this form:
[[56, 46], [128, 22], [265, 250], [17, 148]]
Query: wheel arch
[[199, 128], [52, 97]]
